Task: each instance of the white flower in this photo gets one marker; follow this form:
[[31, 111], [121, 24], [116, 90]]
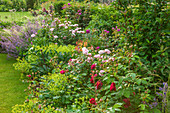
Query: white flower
[[60, 25], [55, 36], [73, 60], [78, 31], [101, 52], [33, 35], [56, 19], [75, 25], [107, 51], [73, 31], [97, 56], [69, 22], [89, 54], [101, 72], [73, 34], [66, 27], [85, 50], [52, 29], [82, 32]]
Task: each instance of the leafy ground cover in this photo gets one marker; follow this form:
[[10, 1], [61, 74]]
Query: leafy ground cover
[[11, 88]]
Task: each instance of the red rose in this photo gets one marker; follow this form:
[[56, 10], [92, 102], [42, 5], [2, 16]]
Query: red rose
[[112, 87], [99, 85], [134, 93], [92, 79], [62, 71], [92, 101], [127, 101], [93, 66]]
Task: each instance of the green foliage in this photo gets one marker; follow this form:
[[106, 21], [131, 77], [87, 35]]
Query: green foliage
[[103, 17], [22, 65], [16, 5], [145, 26], [78, 13], [38, 59], [58, 7], [32, 4], [34, 106]]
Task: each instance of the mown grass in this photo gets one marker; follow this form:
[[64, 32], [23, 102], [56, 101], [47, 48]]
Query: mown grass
[[15, 16], [11, 88]]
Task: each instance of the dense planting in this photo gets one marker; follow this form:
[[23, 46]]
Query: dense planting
[[87, 57]]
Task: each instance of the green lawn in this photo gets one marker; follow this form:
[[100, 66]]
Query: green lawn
[[15, 16], [11, 88]]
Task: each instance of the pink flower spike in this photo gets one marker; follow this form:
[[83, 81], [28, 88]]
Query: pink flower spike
[[107, 31], [113, 28], [68, 3], [118, 30], [79, 13], [116, 27], [29, 75]]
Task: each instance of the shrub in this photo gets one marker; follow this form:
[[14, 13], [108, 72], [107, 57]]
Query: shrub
[[103, 17], [58, 31], [7, 5], [37, 59], [145, 26], [34, 105], [78, 13], [19, 38], [58, 7]]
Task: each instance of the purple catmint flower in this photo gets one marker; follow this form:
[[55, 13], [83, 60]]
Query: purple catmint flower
[[87, 31], [155, 104], [150, 106], [19, 39], [158, 93], [160, 88]]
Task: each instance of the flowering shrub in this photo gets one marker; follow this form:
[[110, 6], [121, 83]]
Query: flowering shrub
[[59, 32], [78, 13], [103, 73]]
